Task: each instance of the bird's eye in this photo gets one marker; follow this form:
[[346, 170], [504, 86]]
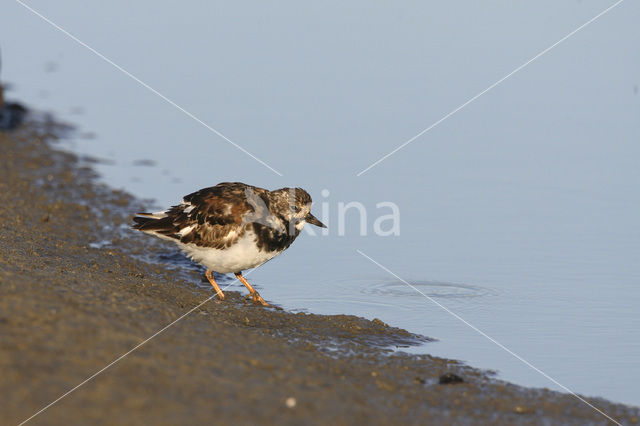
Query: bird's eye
[[296, 209]]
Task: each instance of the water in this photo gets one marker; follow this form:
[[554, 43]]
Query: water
[[518, 213]]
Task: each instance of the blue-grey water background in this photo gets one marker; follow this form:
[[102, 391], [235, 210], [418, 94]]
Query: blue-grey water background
[[519, 213]]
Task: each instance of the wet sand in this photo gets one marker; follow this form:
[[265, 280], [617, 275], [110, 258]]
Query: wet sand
[[68, 308]]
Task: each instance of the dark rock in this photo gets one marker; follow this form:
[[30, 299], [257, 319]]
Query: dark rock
[[450, 379], [11, 116]]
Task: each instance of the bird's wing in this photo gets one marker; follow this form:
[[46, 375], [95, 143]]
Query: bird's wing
[[217, 216]]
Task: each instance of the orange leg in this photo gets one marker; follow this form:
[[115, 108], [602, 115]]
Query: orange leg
[[209, 275], [254, 294]]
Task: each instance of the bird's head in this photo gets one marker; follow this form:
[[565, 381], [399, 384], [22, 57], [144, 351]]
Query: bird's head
[[294, 205]]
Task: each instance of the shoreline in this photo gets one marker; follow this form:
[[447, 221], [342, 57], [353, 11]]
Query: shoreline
[[69, 305]]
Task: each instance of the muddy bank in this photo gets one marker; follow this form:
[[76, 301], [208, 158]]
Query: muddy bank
[[70, 304]]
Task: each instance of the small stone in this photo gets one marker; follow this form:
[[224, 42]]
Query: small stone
[[520, 409], [246, 321], [290, 402], [374, 374], [419, 380], [450, 379]]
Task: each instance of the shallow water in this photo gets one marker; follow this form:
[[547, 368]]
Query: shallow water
[[518, 213]]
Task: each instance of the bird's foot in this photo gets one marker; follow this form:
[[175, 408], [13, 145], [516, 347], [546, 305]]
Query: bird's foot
[[258, 300]]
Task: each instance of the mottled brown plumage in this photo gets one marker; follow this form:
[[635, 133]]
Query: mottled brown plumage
[[217, 214], [232, 226]]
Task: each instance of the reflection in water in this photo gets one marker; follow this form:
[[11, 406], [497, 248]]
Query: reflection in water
[[364, 292]]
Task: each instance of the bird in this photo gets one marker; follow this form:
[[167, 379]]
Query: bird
[[232, 227]]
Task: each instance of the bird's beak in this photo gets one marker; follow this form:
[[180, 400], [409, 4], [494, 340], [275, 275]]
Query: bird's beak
[[314, 221]]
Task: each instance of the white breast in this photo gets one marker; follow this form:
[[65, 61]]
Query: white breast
[[244, 254]]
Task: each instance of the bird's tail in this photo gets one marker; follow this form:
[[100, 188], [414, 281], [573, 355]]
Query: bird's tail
[[154, 223]]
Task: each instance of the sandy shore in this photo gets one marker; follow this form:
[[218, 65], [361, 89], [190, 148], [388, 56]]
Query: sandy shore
[[67, 309]]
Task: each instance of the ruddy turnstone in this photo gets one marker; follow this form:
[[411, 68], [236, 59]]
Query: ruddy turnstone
[[232, 226]]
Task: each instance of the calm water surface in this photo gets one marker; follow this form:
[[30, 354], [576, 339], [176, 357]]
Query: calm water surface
[[519, 213]]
